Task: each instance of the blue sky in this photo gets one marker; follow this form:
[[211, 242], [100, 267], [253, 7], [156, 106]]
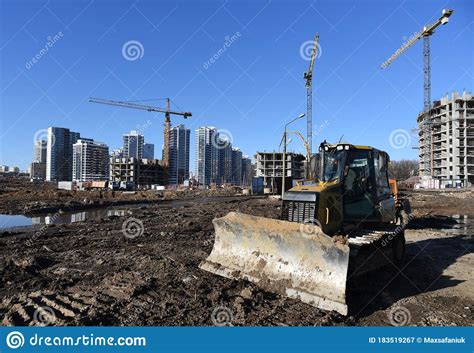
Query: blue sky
[[251, 90]]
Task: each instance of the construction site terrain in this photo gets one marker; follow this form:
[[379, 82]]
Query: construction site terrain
[[109, 271]]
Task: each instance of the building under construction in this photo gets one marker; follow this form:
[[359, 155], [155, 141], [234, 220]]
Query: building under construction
[[137, 172], [270, 167], [447, 142]]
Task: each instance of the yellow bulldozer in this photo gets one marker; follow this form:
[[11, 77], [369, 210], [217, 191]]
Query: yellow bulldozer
[[346, 221]]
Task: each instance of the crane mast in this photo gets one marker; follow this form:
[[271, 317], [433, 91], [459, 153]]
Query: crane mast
[[308, 76], [166, 135], [425, 33], [167, 123]]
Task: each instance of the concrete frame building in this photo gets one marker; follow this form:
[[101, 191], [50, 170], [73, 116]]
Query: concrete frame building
[[447, 152], [270, 167], [179, 146], [59, 153], [141, 173], [90, 161]]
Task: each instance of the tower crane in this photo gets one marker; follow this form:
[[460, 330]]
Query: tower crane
[[167, 122], [425, 33], [308, 76]]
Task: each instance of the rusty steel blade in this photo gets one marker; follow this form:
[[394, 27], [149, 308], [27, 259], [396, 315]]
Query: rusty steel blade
[[296, 260]]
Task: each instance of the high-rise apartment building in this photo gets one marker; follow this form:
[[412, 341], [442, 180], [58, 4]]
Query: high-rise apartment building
[[224, 170], [40, 150], [206, 155], [90, 161], [179, 155], [133, 145], [447, 142], [247, 171], [117, 153], [38, 166], [148, 151], [216, 160], [59, 153], [236, 170]]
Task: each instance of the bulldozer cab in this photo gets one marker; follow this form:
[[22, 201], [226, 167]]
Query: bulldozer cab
[[361, 173]]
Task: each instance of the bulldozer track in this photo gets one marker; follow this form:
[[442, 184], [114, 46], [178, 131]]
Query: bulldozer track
[[371, 249], [368, 237], [43, 309], [74, 305]]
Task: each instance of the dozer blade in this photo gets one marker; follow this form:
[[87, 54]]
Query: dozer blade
[[296, 260]]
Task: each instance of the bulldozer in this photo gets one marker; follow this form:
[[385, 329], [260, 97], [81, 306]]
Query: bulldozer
[[345, 221]]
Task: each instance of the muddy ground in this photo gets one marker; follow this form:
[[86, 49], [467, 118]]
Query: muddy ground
[[19, 196], [113, 271]]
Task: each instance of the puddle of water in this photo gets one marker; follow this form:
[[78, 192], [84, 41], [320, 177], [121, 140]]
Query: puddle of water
[[8, 221], [464, 227]]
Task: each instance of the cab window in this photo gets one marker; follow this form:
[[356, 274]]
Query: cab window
[[357, 175], [381, 177]]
